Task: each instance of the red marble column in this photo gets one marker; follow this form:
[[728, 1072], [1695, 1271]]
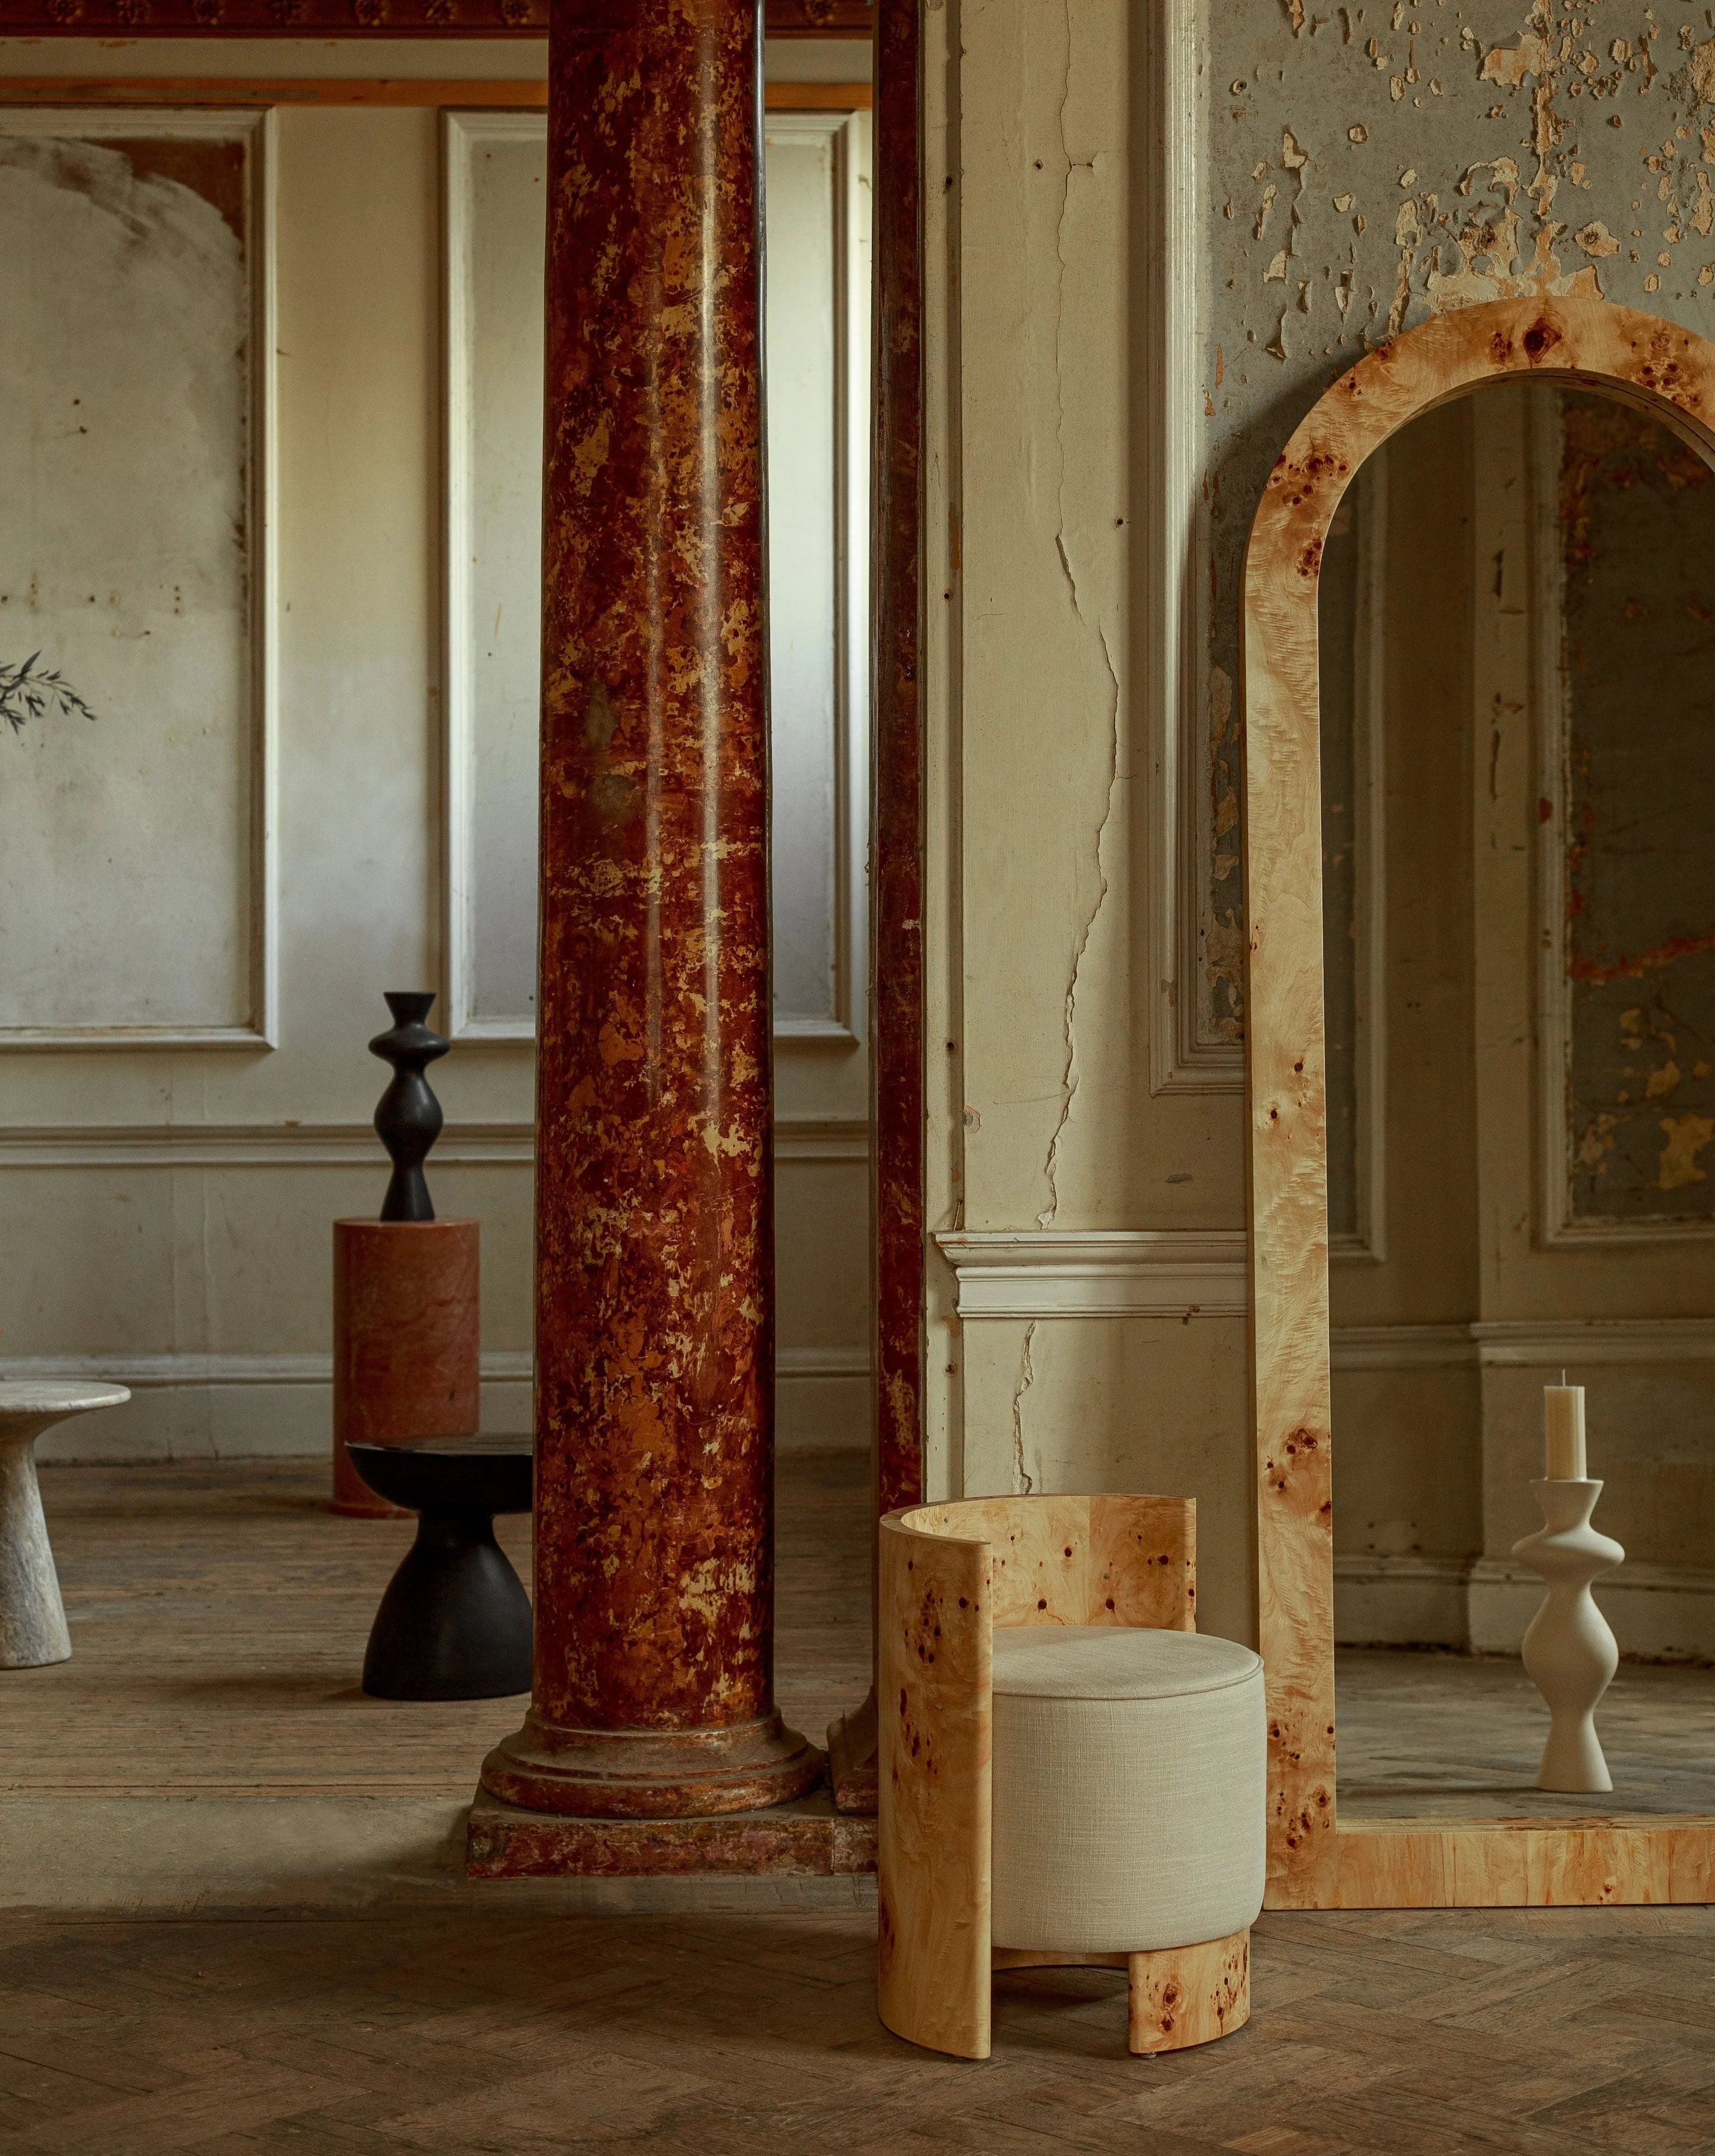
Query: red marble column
[[654, 1258]]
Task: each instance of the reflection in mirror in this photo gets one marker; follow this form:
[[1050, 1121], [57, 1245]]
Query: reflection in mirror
[[1517, 673]]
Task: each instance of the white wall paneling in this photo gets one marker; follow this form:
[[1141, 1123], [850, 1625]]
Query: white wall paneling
[[818, 360], [137, 874], [818, 195], [494, 178]]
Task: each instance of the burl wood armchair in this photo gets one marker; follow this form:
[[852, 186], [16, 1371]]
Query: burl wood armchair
[[1070, 1774]]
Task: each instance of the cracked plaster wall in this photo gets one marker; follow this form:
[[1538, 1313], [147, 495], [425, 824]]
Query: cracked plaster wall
[[1039, 932], [1358, 167]]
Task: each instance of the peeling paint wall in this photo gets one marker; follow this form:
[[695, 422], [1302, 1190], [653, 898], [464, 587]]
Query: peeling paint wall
[[1367, 165]]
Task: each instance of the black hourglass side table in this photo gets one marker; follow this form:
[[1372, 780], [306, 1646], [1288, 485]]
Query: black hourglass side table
[[454, 1622]]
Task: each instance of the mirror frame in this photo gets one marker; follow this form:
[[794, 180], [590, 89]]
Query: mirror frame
[[1314, 1860]]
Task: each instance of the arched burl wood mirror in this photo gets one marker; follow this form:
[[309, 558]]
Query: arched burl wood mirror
[[1302, 561]]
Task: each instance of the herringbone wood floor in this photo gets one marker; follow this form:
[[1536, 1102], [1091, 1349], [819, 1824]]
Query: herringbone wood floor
[[1550, 2033]]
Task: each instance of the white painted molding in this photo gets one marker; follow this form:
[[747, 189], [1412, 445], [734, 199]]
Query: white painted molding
[[462, 135], [259, 132], [848, 136], [1031, 1274], [343, 1145], [820, 1138], [1527, 1343], [1401, 1348], [1524, 1344]]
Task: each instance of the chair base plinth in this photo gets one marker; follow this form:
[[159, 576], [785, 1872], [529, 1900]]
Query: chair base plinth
[[1176, 1996]]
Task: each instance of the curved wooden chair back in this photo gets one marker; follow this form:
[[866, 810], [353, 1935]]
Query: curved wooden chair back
[[949, 1575]]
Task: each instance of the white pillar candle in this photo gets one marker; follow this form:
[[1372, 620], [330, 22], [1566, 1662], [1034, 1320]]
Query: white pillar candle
[[1563, 1428]]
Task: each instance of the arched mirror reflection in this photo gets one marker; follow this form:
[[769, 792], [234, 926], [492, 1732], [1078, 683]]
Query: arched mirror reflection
[[1517, 681]]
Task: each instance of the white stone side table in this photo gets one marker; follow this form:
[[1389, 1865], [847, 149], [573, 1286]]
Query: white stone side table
[[32, 1616]]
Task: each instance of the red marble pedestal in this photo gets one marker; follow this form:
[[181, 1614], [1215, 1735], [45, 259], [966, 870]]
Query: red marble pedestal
[[405, 1341], [654, 1263]]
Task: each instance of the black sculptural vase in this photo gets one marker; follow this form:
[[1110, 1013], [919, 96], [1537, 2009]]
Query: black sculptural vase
[[408, 1119]]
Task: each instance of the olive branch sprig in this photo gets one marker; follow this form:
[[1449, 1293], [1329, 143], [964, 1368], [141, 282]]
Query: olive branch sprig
[[27, 692]]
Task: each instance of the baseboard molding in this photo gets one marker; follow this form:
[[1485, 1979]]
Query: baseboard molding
[[342, 1145], [281, 1407], [1483, 1604]]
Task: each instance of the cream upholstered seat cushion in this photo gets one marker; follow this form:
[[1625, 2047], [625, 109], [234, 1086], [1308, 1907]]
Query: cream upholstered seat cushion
[[1128, 1787]]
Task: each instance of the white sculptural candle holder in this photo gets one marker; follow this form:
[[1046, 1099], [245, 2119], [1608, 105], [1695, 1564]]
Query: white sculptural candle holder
[[1568, 1650]]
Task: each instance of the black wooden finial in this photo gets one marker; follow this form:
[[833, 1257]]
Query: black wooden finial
[[408, 1119]]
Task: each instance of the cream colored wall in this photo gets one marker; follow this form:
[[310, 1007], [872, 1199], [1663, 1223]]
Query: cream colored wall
[[1041, 1123], [168, 1214]]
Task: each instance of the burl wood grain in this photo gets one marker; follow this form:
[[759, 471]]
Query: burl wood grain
[[655, 1313], [1175, 1996], [1651, 362], [1077, 1560], [1525, 1863], [949, 1575], [936, 1632], [1179, 1996]]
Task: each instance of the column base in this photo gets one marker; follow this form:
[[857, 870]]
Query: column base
[[650, 1774], [807, 1838]]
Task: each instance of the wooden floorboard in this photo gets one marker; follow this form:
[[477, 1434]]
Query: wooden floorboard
[[1436, 1735], [219, 1611], [1579, 2032]]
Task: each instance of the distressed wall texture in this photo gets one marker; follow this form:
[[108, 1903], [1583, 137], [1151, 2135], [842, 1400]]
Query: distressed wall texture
[[1368, 166], [1355, 168]]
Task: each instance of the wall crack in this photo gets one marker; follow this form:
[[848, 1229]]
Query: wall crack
[[1070, 1071], [1023, 1482]]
